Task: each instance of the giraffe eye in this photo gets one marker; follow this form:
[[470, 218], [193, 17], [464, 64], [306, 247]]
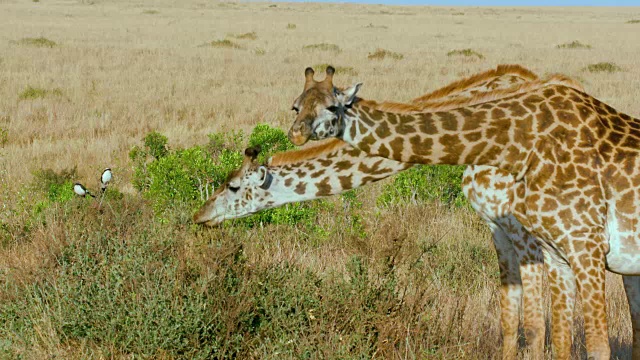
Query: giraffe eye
[[296, 110], [332, 108], [234, 189]]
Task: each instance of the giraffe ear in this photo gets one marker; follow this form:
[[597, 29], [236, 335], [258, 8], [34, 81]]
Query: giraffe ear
[[265, 177], [348, 96]]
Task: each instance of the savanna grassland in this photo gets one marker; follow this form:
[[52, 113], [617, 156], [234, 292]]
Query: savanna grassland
[[376, 273]]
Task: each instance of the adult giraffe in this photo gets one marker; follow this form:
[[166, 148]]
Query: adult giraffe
[[293, 179], [576, 162]]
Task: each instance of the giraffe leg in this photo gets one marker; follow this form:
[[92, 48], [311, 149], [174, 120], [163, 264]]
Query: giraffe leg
[[531, 272], [531, 268], [588, 265], [562, 285], [510, 291], [632, 288]]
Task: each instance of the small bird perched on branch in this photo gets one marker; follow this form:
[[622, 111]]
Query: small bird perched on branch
[[105, 178], [80, 190]]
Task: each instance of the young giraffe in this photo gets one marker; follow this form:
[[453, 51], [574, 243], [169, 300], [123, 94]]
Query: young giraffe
[[575, 160], [516, 248]]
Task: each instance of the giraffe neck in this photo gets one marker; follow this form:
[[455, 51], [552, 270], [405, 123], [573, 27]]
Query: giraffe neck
[[497, 133], [335, 171]]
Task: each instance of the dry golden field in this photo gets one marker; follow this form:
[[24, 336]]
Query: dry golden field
[[82, 82]]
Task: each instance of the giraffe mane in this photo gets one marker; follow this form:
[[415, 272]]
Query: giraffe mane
[[445, 105], [463, 84], [308, 152], [317, 149]]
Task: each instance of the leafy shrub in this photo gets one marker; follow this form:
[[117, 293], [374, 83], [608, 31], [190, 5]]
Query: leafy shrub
[[57, 186], [466, 53], [426, 183], [574, 45], [291, 26], [184, 178], [380, 54], [371, 26], [633, 21], [37, 42], [323, 47], [603, 67], [151, 12]]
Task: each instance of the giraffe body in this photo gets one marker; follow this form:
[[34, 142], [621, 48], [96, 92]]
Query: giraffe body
[[574, 160]]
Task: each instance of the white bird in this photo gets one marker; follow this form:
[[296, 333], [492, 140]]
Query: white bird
[[105, 178], [80, 190]]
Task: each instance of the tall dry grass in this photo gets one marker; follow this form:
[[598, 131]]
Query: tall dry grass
[[111, 72]]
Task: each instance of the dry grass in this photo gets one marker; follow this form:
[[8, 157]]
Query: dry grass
[[574, 45], [380, 54], [119, 85], [603, 67], [466, 53]]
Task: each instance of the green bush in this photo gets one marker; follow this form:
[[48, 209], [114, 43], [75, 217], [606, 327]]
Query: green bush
[[4, 137], [183, 178], [426, 183]]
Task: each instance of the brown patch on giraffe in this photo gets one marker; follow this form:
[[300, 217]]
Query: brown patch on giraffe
[[301, 188], [346, 182], [397, 146], [405, 128], [343, 165], [452, 147], [317, 173], [544, 118], [475, 152], [324, 188], [448, 120], [382, 130], [288, 182], [384, 151], [473, 136]]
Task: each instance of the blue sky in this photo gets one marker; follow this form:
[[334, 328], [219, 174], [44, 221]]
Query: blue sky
[[510, 3]]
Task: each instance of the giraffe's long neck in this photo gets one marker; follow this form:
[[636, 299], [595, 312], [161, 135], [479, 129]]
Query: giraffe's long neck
[[498, 133], [335, 172]]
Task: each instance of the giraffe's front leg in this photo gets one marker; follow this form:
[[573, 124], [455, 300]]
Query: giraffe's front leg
[[632, 288], [531, 273], [588, 264], [562, 285]]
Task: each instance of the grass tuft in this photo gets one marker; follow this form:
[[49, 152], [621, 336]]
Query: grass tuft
[[4, 137], [37, 42], [574, 45], [371, 26], [151, 12], [291, 26], [323, 47], [380, 54], [343, 70], [259, 51], [31, 93], [466, 53], [633, 21], [603, 67], [246, 36], [223, 44], [460, 13]]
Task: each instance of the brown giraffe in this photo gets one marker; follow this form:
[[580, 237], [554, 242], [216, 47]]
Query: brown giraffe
[[574, 159], [487, 189]]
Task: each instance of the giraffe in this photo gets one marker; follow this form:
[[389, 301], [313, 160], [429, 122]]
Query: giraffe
[[574, 159], [487, 190]]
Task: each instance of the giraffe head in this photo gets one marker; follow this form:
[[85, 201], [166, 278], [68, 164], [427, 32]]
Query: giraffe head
[[318, 102], [244, 193]]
